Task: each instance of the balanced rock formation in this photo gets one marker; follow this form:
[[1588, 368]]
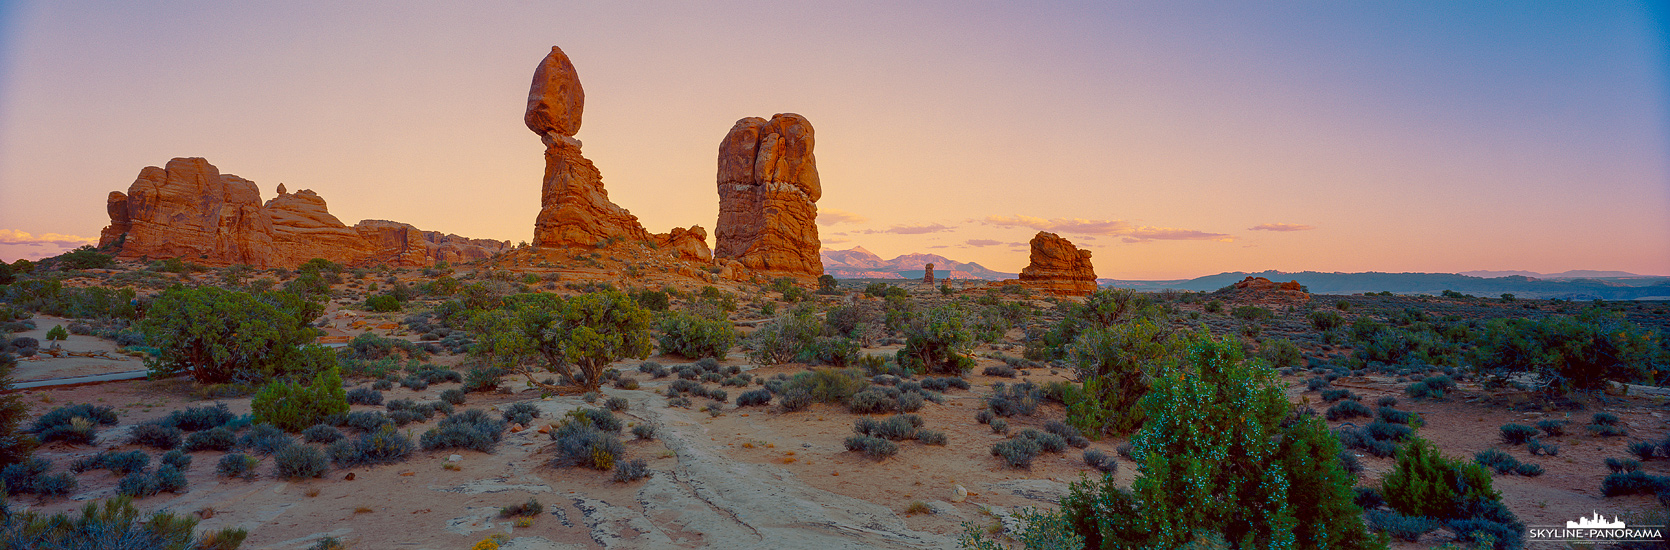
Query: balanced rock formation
[[574, 208], [928, 274], [190, 210], [768, 193], [1058, 267]]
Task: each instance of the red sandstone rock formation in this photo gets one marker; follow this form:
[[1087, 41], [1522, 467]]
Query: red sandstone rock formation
[[1259, 289], [928, 274], [689, 244], [575, 209], [1058, 267], [190, 210], [768, 193]]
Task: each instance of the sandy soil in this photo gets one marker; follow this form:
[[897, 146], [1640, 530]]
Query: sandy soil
[[43, 366]]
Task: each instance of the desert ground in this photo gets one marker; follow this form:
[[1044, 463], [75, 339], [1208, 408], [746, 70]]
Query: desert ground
[[729, 476]]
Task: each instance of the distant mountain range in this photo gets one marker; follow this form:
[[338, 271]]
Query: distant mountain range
[[858, 263], [1573, 274], [1626, 286]]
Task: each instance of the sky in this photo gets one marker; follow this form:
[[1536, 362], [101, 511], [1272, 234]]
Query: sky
[[1173, 139]]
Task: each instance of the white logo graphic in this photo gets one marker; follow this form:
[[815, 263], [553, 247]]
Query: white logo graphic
[[1596, 522]]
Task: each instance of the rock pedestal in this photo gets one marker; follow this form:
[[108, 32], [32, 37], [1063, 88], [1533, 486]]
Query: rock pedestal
[[768, 192], [1058, 267]]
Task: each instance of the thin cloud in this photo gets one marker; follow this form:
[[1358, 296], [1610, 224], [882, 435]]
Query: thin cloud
[[984, 242], [1281, 227], [12, 236], [831, 216], [836, 241], [910, 229], [1118, 228]]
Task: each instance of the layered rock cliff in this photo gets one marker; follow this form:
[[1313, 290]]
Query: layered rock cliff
[[190, 210], [768, 193], [1058, 267]]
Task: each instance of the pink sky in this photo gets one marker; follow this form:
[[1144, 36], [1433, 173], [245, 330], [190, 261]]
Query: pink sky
[[1173, 139]]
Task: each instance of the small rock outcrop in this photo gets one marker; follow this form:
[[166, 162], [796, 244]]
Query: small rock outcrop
[[689, 244], [1262, 290], [768, 193], [1057, 267], [574, 208], [190, 210]]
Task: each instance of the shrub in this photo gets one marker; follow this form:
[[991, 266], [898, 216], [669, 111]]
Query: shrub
[[138, 485], [1529, 470], [1100, 461], [115, 520], [870, 401], [299, 462], [1622, 465], [199, 418], [1426, 483], [602, 420], [213, 439], [236, 464], [1399, 526], [367, 421], [581, 443], [1552, 427], [321, 433], [1537, 447], [873, 447], [1517, 434], [754, 398], [1369, 498], [617, 404], [1394, 416], [1496, 460], [1330, 396], [265, 439], [910, 402], [1209, 409], [26, 476], [72, 424], [365, 396], [1348, 462], [530, 508], [644, 431], [293, 407], [177, 459], [695, 336], [1068, 433], [932, 437], [631, 470], [1016, 452], [1571, 353], [937, 342], [219, 335], [1606, 425], [1004, 371], [453, 396], [481, 378], [1643, 449], [471, 429], [382, 385], [1347, 410], [122, 463], [1633, 482], [520, 413], [381, 446], [154, 434], [1386, 401], [1326, 320]]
